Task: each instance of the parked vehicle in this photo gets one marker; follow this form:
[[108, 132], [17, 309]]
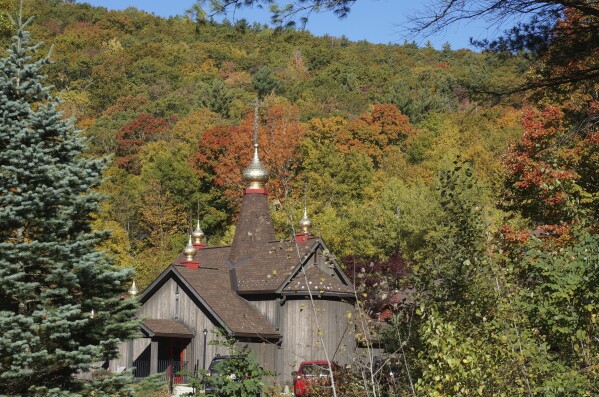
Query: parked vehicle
[[311, 376]]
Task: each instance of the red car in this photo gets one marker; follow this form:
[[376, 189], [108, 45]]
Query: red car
[[311, 375]]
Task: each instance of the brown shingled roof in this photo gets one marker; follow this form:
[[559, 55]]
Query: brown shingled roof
[[271, 265], [254, 227], [160, 327], [276, 267], [318, 282], [213, 287]]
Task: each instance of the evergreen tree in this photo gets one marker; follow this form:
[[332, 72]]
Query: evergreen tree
[[51, 274], [264, 82]]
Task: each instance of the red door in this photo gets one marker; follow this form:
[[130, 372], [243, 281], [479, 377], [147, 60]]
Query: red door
[[176, 357]]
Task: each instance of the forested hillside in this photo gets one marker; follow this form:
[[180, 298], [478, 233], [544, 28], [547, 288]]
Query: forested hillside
[[347, 127], [411, 175]]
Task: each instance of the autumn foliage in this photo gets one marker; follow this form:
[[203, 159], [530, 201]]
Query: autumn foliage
[[375, 132], [134, 135], [225, 150]]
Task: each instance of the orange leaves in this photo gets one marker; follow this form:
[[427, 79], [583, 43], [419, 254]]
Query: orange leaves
[[280, 136], [226, 150], [374, 132]]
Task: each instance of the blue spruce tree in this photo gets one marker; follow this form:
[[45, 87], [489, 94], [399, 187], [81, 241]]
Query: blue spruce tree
[[51, 274]]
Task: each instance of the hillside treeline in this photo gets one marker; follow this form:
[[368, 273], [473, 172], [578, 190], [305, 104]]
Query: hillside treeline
[[411, 175]]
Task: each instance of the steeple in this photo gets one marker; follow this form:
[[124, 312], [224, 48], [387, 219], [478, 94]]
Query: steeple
[[197, 236], [189, 251], [255, 174], [254, 225], [305, 225]]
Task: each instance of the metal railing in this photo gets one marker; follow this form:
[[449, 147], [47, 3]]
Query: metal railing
[[141, 369], [173, 372]]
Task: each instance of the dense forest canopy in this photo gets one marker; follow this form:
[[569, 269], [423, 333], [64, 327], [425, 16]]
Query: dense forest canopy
[[410, 171], [165, 97]]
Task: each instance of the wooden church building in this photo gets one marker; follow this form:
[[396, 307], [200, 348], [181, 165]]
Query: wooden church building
[[257, 290]]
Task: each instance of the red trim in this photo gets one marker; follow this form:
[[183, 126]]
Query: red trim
[[199, 246], [255, 191], [191, 264], [301, 237]]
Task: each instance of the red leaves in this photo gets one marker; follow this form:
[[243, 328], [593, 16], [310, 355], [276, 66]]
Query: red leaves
[[542, 174], [134, 135], [538, 164]]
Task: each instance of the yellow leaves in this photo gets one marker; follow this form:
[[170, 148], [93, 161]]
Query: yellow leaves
[[112, 46], [323, 129], [118, 244], [75, 103], [208, 67], [238, 80], [190, 127]]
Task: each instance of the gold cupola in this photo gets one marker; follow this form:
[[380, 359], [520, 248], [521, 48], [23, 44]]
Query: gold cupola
[[305, 223], [197, 235], [255, 174], [189, 251], [133, 290]]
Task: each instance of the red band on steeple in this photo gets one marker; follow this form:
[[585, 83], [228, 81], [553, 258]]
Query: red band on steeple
[[191, 264], [255, 191], [301, 237]]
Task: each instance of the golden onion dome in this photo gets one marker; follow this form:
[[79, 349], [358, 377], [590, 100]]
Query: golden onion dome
[[305, 223], [255, 174], [197, 234], [189, 250], [133, 290]]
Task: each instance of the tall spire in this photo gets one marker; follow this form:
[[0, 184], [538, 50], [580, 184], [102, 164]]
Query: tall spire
[[254, 225], [197, 235], [305, 223], [255, 174]]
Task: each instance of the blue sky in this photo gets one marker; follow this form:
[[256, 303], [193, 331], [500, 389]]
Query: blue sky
[[377, 21]]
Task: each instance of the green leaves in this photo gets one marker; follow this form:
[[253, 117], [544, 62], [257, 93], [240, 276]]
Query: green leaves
[[235, 375]]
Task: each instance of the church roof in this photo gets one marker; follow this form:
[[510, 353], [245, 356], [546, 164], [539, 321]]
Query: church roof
[[276, 268], [213, 287], [271, 266], [313, 280]]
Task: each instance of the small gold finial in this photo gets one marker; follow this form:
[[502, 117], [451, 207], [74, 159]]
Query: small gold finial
[[305, 223], [189, 250], [92, 314], [197, 235], [133, 290], [255, 174]]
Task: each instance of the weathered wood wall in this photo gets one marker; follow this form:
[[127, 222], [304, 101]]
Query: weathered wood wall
[[295, 318], [163, 305], [300, 323]]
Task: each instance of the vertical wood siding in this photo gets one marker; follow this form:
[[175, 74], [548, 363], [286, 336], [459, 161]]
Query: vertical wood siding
[[295, 318], [301, 341]]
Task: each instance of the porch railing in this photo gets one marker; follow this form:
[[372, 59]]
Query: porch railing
[[175, 372]]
